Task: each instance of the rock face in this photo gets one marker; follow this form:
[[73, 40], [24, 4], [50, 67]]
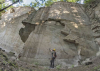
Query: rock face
[[10, 25], [93, 12], [63, 26]]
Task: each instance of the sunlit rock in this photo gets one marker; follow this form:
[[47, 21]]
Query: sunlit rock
[[10, 25], [63, 26]]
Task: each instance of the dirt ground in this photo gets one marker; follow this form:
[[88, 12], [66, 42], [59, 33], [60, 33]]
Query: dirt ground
[[9, 63]]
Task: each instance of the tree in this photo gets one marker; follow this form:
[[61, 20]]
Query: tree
[[4, 1], [41, 3], [88, 1], [38, 3], [72, 1], [2, 6]]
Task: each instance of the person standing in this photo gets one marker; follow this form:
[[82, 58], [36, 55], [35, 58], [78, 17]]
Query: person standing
[[53, 56]]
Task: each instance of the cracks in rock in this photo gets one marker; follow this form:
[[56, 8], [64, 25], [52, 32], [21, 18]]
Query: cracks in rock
[[65, 51], [64, 33], [61, 23], [25, 32], [57, 20]]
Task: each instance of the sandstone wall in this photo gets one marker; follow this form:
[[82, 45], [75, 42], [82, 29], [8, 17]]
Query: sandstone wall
[[63, 26], [10, 25], [93, 12]]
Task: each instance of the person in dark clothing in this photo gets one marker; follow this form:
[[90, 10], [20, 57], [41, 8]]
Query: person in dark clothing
[[53, 56]]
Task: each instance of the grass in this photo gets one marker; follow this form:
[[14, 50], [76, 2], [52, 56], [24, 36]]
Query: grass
[[97, 68], [36, 63], [4, 62], [13, 64], [72, 66], [58, 67], [45, 68]]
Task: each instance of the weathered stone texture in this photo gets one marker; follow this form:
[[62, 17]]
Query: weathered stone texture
[[93, 11], [63, 26], [10, 24]]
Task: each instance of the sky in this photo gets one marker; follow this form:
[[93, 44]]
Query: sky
[[82, 1], [28, 1]]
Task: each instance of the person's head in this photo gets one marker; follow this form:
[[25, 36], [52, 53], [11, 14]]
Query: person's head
[[54, 49]]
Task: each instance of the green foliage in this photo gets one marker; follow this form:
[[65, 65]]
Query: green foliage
[[58, 67], [97, 68], [2, 1], [36, 63], [88, 1], [17, 0], [41, 3], [37, 3], [47, 3], [72, 1], [4, 62], [13, 64], [26, 5], [2, 6], [72, 66], [6, 58]]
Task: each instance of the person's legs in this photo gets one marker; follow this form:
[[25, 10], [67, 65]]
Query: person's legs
[[53, 62]]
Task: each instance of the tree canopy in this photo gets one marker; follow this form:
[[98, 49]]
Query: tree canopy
[[7, 4], [4, 5], [41, 3]]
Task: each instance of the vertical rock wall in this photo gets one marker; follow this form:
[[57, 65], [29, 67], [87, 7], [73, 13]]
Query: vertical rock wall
[[93, 12], [10, 25], [63, 26]]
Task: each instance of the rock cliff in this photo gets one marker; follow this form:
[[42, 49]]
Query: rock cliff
[[64, 26], [10, 27], [93, 12]]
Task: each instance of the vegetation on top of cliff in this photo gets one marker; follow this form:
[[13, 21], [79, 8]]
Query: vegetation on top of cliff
[[7, 4], [41, 3], [88, 1], [4, 4]]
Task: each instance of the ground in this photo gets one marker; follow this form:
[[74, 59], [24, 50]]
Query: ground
[[8, 63]]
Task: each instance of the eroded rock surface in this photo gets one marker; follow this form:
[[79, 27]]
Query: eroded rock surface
[[67, 29], [93, 12], [10, 25], [63, 26]]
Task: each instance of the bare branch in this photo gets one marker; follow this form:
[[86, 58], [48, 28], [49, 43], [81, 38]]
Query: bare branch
[[9, 5]]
